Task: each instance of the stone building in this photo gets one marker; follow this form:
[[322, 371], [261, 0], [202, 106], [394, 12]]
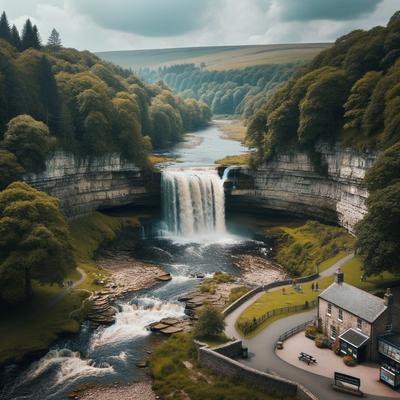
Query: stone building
[[355, 318]]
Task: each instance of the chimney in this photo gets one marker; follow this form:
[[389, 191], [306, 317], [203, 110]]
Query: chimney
[[388, 297], [339, 276]]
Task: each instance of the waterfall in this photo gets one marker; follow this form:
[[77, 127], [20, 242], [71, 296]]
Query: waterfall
[[193, 202]]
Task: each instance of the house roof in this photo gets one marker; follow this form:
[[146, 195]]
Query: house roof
[[353, 337], [356, 301]]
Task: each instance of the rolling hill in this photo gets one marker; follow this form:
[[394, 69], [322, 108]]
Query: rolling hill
[[217, 57]]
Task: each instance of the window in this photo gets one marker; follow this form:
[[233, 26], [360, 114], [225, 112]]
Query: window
[[340, 317], [359, 324], [329, 310], [389, 327], [333, 332]]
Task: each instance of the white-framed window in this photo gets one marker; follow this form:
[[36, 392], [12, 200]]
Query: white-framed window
[[340, 314], [359, 324], [333, 332], [329, 309]]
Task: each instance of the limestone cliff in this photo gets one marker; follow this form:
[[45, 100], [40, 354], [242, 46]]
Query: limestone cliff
[[289, 183], [83, 186]]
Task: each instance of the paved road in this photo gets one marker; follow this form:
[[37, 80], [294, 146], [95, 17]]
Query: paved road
[[262, 352]]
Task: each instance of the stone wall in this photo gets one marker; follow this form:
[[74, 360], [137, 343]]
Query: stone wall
[[83, 186], [220, 364], [289, 183]]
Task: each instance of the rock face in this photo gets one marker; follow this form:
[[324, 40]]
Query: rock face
[[83, 186], [290, 184]]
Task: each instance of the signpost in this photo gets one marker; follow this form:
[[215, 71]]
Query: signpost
[[347, 383]]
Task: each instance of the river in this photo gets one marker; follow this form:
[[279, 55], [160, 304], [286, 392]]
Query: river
[[192, 238]]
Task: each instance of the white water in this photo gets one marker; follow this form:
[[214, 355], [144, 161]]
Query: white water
[[132, 321], [193, 202]]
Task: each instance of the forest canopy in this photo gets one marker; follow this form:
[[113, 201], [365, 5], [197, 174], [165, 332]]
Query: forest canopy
[[234, 91], [90, 107], [349, 93]]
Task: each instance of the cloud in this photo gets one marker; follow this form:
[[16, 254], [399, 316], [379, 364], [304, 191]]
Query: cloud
[[339, 10], [152, 18]]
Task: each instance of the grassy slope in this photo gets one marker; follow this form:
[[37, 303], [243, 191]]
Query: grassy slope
[[32, 326], [172, 379], [216, 58]]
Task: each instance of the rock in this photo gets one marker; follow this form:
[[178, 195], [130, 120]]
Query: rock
[[164, 278], [170, 330]]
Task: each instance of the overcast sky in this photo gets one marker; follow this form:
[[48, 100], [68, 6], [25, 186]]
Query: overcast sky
[[99, 25]]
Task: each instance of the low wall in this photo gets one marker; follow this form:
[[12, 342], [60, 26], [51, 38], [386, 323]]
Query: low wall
[[216, 361]]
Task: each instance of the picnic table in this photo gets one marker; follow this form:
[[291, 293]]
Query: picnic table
[[307, 358]]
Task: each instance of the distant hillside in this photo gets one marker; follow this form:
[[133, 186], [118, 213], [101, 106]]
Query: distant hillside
[[216, 58]]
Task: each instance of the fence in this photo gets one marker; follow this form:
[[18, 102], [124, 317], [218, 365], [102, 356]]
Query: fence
[[294, 330], [249, 326], [265, 288]]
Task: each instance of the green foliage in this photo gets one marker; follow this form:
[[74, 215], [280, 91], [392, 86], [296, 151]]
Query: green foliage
[[90, 106], [237, 293], [349, 93], [323, 342], [176, 380], [210, 323], [34, 241], [10, 169], [233, 91], [29, 141], [301, 250]]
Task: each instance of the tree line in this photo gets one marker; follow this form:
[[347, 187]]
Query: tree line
[[55, 98], [348, 94], [234, 91]]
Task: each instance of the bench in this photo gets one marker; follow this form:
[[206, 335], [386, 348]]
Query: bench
[[307, 358]]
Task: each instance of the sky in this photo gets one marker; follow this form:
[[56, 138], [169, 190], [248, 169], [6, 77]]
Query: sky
[[103, 25]]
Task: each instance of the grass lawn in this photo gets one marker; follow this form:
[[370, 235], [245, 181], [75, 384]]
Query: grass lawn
[[275, 299], [177, 376], [241, 159], [32, 326]]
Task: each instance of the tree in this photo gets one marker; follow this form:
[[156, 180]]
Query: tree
[[5, 32], [34, 242], [378, 234], [54, 41], [29, 140], [49, 96], [15, 38], [30, 36], [10, 169], [210, 323]]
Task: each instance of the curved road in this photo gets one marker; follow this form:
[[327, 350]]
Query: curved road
[[262, 348]]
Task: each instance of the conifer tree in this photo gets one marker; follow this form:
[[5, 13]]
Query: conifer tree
[[15, 38], [54, 41], [30, 36], [5, 32], [49, 95]]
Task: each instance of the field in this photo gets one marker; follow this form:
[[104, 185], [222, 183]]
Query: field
[[215, 58]]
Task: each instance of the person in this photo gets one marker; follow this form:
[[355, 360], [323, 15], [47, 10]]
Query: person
[[316, 287], [312, 286], [283, 290]]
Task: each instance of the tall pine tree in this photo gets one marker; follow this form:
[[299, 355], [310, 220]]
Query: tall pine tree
[[15, 38], [49, 96], [54, 41], [5, 32], [30, 36]]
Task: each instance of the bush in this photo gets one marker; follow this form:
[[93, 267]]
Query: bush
[[210, 323], [322, 342], [336, 347], [311, 331], [349, 361]]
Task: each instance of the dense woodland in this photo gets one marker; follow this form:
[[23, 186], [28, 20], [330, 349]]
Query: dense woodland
[[235, 91], [349, 94], [55, 98], [89, 106]]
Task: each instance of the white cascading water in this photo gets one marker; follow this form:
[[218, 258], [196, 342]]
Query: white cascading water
[[193, 202]]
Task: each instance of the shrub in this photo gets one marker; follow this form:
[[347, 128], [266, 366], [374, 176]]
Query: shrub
[[311, 331], [210, 323], [349, 361], [336, 347], [322, 342]]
